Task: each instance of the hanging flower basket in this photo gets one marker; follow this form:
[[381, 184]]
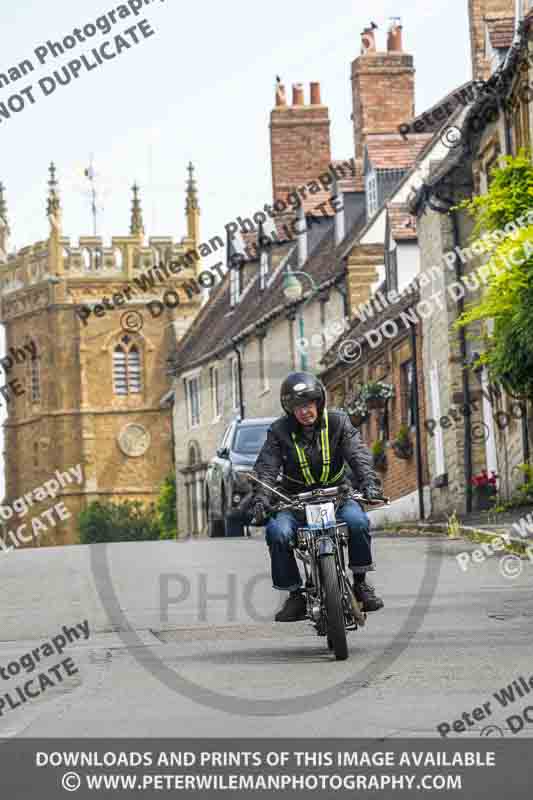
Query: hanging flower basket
[[403, 451], [379, 456], [380, 463], [376, 393], [402, 445], [375, 402], [357, 410]]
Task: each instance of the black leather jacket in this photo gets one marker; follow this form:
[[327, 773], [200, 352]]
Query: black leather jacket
[[279, 453]]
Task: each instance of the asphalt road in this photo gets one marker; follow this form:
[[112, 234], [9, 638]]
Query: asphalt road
[[189, 648]]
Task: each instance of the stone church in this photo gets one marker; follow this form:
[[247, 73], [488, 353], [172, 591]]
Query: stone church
[[96, 391]]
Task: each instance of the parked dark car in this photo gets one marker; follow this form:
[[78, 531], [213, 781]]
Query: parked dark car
[[226, 487]]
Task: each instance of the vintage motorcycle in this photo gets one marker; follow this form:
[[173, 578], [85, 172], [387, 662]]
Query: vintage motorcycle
[[320, 544]]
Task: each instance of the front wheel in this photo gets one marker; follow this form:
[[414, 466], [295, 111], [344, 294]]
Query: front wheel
[[334, 612], [215, 527]]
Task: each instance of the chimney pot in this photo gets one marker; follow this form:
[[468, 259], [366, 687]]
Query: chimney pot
[[394, 38], [281, 99], [315, 93], [368, 41], [297, 94]]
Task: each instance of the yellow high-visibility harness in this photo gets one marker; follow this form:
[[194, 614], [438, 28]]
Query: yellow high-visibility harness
[[326, 458]]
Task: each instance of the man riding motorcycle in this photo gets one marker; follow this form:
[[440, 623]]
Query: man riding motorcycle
[[310, 446]]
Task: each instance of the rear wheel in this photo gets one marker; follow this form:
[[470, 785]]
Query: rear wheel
[[336, 630]]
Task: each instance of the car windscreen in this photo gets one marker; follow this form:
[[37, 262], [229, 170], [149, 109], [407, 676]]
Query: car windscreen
[[249, 439]]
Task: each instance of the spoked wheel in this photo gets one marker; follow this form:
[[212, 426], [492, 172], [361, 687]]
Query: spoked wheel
[[336, 630]]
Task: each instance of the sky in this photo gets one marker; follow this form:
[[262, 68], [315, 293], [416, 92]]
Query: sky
[[199, 89]]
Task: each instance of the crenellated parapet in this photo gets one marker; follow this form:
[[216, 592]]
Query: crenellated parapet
[[60, 269]]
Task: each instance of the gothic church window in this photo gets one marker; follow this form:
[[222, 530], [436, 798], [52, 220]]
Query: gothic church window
[[126, 367]]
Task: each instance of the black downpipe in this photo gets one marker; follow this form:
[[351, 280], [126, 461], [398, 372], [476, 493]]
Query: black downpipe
[[466, 383], [419, 465], [525, 437], [239, 374]]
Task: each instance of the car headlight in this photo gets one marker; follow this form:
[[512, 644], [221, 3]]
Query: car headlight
[[241, 481]]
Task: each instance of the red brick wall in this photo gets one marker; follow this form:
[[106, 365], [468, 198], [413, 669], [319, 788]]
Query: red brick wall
[[400, 477], [299, 145], [383, 92], [477, 9]]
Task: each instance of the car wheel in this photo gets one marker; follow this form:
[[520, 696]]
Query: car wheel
[[215, 527], [233, 527], [232, 524]]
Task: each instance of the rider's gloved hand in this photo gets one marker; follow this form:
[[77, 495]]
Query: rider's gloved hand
[[372, 492]]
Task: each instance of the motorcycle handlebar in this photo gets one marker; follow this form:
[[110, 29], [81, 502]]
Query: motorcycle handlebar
[[355, 495]]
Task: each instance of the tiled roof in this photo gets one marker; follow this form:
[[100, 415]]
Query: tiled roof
[[216, 324], [402, 223], [392, 151], [501, 32]]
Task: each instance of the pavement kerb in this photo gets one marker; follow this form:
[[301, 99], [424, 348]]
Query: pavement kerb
[[516, 546]]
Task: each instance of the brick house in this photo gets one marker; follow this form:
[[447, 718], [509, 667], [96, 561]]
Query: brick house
[[404, 477], [463, 444], [252, 324], [384, 344], [254, 333], [384, 340]]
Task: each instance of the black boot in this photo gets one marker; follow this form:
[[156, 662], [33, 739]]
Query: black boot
[[294, 608], [365, 593]]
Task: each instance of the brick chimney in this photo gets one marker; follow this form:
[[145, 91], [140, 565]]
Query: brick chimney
[[478, 12], [383, 86], [299, 139]]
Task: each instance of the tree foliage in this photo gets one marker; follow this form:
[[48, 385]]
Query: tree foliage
[[508, 299], [166, 508], [124, 522], [131, 521], [509, 197]]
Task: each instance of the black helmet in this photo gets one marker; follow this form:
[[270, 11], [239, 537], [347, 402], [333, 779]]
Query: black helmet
[[299, 388]]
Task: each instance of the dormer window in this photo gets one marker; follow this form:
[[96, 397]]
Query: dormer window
[[371, 194], [234, 285], [264, 264]]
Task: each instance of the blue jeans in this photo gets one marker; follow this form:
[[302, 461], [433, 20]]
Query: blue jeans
[[281, 530]]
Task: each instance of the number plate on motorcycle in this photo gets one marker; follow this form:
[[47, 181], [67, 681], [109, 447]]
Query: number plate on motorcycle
[[320, 515]]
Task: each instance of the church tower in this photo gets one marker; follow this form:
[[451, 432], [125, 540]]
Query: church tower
[[89, 358]]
